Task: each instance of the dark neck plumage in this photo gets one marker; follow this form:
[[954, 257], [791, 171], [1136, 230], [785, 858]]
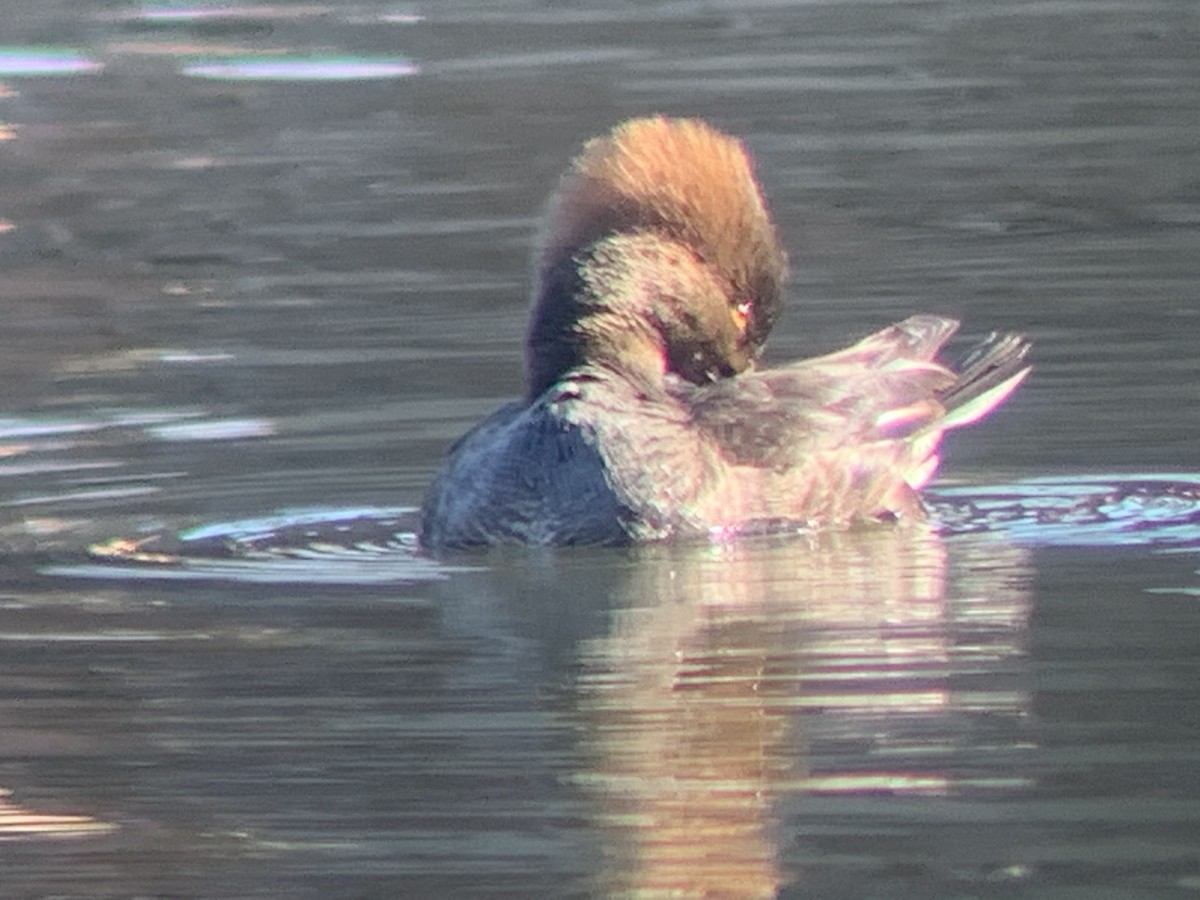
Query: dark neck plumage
[[581, 319]]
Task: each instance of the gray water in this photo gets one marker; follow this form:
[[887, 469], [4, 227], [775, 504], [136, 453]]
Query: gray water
[[244, 303]]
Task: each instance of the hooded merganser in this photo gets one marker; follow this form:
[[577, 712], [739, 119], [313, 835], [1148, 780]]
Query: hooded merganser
[[644, 416]]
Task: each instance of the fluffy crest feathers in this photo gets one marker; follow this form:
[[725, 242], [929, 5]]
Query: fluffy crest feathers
[[677, 176]]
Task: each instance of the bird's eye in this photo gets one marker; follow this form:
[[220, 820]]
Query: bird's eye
[[741, 314]]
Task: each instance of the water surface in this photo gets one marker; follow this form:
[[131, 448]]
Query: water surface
[[268, 261]]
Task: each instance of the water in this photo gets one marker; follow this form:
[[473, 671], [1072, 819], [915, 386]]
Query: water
[[260, 265]]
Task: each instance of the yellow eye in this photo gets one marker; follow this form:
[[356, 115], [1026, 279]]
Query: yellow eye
[[741, 314]]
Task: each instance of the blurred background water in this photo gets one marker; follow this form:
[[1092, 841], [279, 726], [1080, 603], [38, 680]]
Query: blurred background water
[[260, 264]]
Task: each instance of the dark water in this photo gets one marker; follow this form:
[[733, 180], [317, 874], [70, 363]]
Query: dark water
[[235, 286]]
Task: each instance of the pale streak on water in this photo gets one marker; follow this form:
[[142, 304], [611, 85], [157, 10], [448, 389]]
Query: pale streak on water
[[244, 314]]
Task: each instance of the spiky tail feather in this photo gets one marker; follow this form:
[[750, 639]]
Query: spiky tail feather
[[986, 376]]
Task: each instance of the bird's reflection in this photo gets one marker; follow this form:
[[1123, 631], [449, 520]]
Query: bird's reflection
[[709, 712], [858, 662]]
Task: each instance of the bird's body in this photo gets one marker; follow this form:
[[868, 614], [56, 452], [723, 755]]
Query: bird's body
[[645, 415]]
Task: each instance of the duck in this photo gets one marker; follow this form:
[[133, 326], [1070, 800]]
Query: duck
[[646, 414]]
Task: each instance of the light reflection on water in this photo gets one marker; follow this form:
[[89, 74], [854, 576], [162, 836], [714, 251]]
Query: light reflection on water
[[360, 544], [24, 62], [300, 69], [710, 683], [840, 668]]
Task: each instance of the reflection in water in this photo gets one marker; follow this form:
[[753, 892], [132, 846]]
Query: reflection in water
[[160, 14], [17, 822], [709, 681], [1162, 510], [17, 62], [311, 68], [727, 704], [1155, 508], [737, 673], [353, 546]]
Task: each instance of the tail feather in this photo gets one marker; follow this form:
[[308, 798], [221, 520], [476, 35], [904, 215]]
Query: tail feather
[[986, 376]]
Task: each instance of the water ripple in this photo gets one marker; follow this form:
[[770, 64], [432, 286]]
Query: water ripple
[[1159, 509], [356, 545], [365, 545]]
